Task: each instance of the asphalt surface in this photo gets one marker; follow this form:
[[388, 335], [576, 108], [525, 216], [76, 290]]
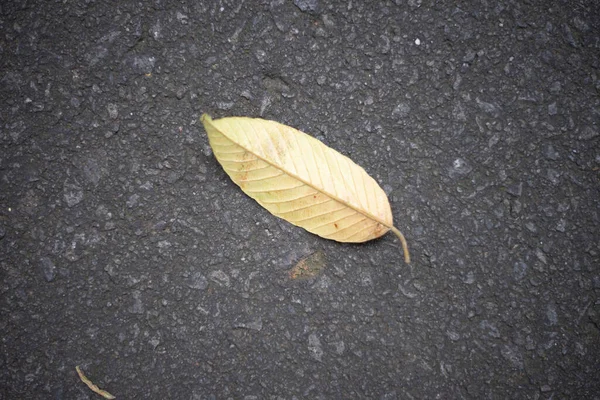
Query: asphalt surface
[[127, 251]]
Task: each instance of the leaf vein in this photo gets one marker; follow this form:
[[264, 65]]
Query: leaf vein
[[323, 152], [248, 170], [264, 178], [350, 226], [232, 152], [273, 190], [305, 207], [238, 161], [290, 200], [356, 233], [332, 222], [318, 215]]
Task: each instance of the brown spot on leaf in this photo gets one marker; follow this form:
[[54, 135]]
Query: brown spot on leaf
[[247, 156], [378, 229]]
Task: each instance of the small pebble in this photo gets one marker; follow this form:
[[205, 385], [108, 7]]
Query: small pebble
[[546, 388], [48, 269], [515, 189]]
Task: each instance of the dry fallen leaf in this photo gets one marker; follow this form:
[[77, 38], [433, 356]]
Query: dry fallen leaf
[[93, 387], [309, 266], [298, 178]]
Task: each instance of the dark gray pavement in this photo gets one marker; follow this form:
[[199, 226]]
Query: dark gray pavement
[[126, 250]]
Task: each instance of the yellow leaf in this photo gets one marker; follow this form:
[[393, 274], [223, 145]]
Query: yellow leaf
[[298, 178], [91, 385]]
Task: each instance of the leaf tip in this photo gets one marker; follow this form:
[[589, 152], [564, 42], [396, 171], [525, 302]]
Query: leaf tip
[[204, 118]]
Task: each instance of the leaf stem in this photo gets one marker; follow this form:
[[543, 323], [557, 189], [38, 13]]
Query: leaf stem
[[404, 244]]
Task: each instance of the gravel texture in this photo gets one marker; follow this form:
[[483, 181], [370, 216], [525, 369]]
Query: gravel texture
[[126, 250]]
